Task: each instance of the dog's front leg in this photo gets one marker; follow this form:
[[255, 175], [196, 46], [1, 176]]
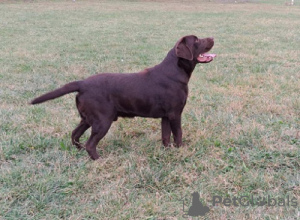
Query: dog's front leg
[[165, 131], [176, 130]]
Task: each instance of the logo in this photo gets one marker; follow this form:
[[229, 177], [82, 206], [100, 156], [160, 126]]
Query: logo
[[245, 201], [197, 208]]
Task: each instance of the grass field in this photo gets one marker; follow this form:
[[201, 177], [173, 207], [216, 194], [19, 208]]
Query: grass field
[[241, 122]]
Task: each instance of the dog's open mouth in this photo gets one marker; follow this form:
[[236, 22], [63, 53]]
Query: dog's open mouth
[[206, 57]]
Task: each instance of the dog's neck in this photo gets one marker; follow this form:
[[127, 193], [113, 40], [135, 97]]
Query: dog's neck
[[186, 65]]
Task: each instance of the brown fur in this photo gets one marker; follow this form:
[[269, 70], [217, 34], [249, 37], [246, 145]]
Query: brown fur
[[157, 92]]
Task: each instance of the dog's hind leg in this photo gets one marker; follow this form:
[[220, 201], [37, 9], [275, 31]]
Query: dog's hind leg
[[99, 130], [77, 132]]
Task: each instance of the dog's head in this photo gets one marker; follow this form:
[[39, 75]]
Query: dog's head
[[193, 48]]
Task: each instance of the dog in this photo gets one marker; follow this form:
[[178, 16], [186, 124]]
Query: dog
[[157, 92]]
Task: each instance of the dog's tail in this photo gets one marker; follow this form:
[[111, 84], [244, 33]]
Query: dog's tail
[[68, 88]]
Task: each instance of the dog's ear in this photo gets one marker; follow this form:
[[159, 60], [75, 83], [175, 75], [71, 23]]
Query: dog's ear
[[183, 48]]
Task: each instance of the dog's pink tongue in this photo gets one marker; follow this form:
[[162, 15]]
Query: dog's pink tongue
[[207, 57], [210, 55]]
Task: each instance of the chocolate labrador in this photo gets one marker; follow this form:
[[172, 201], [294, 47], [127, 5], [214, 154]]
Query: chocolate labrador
[[157, 92]]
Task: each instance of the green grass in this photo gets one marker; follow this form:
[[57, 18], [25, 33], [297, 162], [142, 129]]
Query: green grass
[[241, 122]]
